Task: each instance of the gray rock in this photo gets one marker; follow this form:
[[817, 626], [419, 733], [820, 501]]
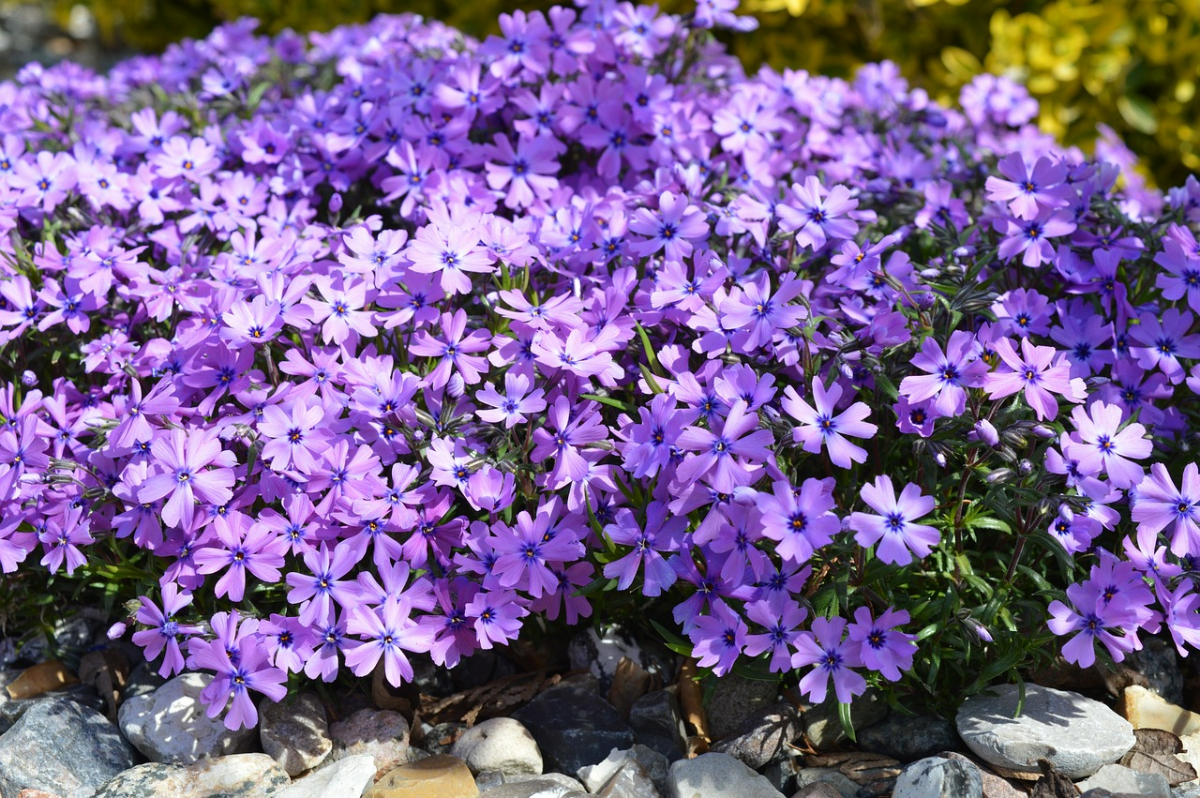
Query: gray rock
[[237, 776], [782, 773], [171, 724], [482, 667], [1190, 789], [818, 790], [1159, 663], [11, 709], [1078, 735], [716, 775], [764, 738], [1120, 779], [653, 764], [1096, 792], [347, 778], [736, 701], [490, 779], [823, 726], [440, 739], [534, 788], [378, 733], [909, 738], [935, 777], [61, 746], [431, 679], [993, 786], [574, 727], [806, 777], [294, 732], [631, 781], [501, 744], [657, 722], [600, 653], [143, 680]]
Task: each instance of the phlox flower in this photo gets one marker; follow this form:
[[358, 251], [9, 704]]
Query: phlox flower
[[1105, 446], [652, 442], [756, 315], [183, 459], [1164, 342], [799, 519], [496, 617], [253, 322], [234, 681], [816, 215], [819, 427], [61, 537], [456, 349], [1159, 505], [241, 546], [323, 584], [949, 374], [526, 171], [1093, 618], [1038, 373], [295, 440], [166, 631], [881, 647], [780, 619], [660, 534], [389, 631], [341, 308], [832, 657], [1182, 277], [718, 638], [724, 456], [1030, 189], [526, 551], [1030, 238], [671, 229], [893, 525], [453, 253]]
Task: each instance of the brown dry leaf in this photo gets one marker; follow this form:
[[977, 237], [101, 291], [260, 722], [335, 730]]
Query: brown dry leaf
[[107, 670], [1154, 752], [40, 679], [692, 702], [870, 768], [630, 682], [497, 697], [1115, 681], [1053, 784]]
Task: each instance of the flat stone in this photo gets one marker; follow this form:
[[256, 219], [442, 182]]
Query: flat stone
[[440, 776], [236, 776], [764, 738], [1120, 779], [937, 777], [294, 732], [533, 788], [574, 727], [833, 777], [378, 733], [653, 764], [994, 786], [736, 701], [823, 725], [909, 738], [347, 778], [1076, 734], [631, 781], [171, 724], [501, 744], [1145, 709], [61, 746], [818, 790], [716, 775], [490, 779], [657, 722]]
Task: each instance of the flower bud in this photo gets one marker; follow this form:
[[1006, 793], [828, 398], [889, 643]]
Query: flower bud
[[940, 459], [28, 378], [1025, 467], [987, 433], [999, 475], [117, 630], [335, 203], [1044, 432], [454, 388], [964, 252]]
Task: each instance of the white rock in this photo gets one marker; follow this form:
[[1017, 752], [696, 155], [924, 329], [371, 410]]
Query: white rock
[[295, 733], [170, 724], [712, 775], [1126, 781], [1147, 710], [1078, 735], [237, 776], [347, 778], [501, 744], [654, 764], [937, 777]]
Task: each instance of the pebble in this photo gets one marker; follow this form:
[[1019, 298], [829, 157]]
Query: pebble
[[294, 732], [764, 738], [993, 786], [818, 790], [439, 776], [379, 733], [171, 724], [573, 726], [490, 779], [347, 778], [61, 746], [716, 775], [236, 776], [737, 701], [1078, 735], [936, 777], [655, 765], [909, 738], [631, 781], [501, 744], [1120, 779], [441, 738], [657, 722], [823, 726], [534, 788], [834, 777], [600, 653]]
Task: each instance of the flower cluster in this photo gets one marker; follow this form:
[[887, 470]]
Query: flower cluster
[[386, 342]]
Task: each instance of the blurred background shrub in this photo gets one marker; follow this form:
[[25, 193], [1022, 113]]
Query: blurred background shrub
[[1130, 64]]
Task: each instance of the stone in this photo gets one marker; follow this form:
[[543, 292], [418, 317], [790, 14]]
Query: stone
[[1190, 789], [630, 781], [235, 776], [61, 746], [823, 726], [490, 779], [171, 724], [501, 744], [600, 652], [12, 709], [1096, 792], [573, 726], [143, 680], [833, 777], [782, 773], [294, 732], [1076, 734], [379, 733], [482, 667], [736, 701], [534, 788], [765, 737], [1191, 751], [937, 777], [716, 775], [440, 739], [655, 765], [1145, 709], [1158, 662], [994, 786], [439, 776], [346, 778], [430, 679], [909, 738], [657, 722], [818, 790], [1120, 779]]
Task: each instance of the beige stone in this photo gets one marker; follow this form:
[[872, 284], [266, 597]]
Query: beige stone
[[441, 776], [1147, 710]]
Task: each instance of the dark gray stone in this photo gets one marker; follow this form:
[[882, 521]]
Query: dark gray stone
[[295, 732], [61, 746], [574, 727], [482, 667], [823, 726], [600, 652], [657, 723], [764, 738], [910, 738], [936, 777], [431, 679], [736, 701], [818, 790], [1159, 663], [12, 709], [782, 774], [440, 739], [143, 680], [537, 788]]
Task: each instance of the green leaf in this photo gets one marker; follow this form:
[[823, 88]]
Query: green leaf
[[847, 723], [608, 400], [650, 356], [649, 375], [672, 640], [256, 95], [988, 523]]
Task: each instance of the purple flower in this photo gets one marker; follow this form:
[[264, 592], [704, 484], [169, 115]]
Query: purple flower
[[525, 171], [1039, 373], [1032, 236], [1164, 343], [949, 374], [718, 639], [756, 315], [893, 525], [166, 631], [526, 552], [819, 427], [881, 647], [183, 459], [1160, 504], [799, 520], [1104, 446], [726, 456], [1093, 618], [497, 617], [816, 215], [660, 534], [672, 229], [234, 681], [1029, 190], [780, 619], [389, 632], [833, 659], [243, 547]]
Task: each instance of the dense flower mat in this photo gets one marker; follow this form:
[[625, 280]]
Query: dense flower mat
[[387, 341]]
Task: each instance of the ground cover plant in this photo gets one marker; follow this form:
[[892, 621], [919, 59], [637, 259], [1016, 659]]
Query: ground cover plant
[[320, 354]]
